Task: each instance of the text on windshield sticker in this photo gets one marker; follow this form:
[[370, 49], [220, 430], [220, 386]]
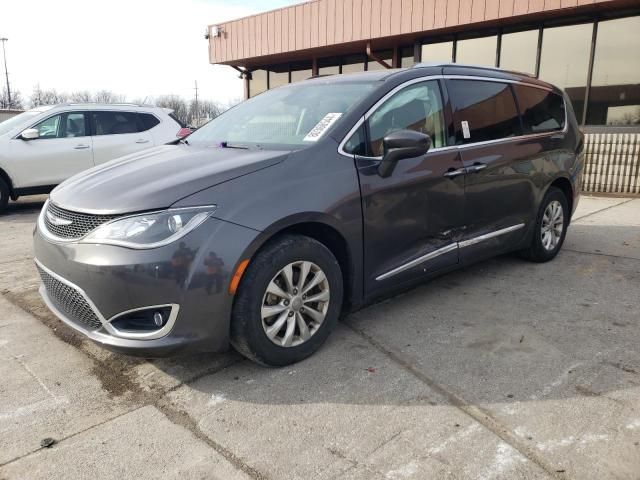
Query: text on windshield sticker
[[322, 126]]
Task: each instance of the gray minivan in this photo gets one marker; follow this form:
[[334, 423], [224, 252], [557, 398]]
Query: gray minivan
[[306, 201]]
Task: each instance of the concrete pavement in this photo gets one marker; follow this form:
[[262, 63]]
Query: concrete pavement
[[505, 370]]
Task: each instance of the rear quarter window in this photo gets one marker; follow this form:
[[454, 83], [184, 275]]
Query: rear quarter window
[[488, 108], [541, 110], [148, 121]]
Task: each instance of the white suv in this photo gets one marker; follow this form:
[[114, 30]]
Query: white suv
[[42, 147]]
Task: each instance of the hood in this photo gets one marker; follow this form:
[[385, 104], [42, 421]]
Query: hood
[[158, 177]]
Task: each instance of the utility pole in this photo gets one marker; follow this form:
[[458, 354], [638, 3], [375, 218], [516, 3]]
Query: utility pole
[[197, 112], [6, 72]]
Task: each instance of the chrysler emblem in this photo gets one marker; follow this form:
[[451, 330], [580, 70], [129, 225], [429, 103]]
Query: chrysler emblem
[[57, 220]]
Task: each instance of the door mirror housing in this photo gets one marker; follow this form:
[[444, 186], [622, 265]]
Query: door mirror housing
[[400, 145], [30, 134]]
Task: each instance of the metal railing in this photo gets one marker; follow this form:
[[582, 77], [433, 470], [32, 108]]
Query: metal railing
[[612, 163]]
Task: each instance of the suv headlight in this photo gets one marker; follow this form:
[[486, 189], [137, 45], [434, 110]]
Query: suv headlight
[[150, 230]]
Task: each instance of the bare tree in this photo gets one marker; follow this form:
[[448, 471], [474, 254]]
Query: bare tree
[[203, 111], [107, 96], [175, 103], [232, 103], [143, 101], [16, 100], [81, 96], [46, 97]]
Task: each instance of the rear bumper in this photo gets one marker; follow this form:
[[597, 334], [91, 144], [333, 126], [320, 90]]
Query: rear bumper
[[107, 281]]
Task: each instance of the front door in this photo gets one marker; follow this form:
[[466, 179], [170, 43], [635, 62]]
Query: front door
[[63, 149], [499, 190], [411, 218]]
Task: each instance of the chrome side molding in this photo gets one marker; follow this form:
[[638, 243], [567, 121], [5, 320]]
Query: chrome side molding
[[449, 248], [487, 236], [418, 261]]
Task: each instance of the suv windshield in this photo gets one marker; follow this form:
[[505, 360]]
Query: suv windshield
[[13, 122], [287, 117]]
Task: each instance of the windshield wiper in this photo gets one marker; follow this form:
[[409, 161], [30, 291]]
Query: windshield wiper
[[228, 145]]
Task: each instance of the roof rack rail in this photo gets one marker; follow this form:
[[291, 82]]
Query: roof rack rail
[[118, 104], [465, 65]]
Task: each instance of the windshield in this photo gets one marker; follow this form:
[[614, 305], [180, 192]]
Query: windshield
[[13, 122], [286, 117]]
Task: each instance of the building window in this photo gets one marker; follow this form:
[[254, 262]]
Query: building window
[[258, 82], [278, 75], [477, 51], [518, 51], [329, 66], [301, 71], [437, 52], [614, 96], [385, 55], [564, 61], [407, 59], [353, 63]]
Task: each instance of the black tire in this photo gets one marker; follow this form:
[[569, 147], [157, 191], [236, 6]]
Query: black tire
[[247, 333], [4, 196], [537, 252]]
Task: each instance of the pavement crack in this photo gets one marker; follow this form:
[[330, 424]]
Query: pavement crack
[[480, 415], [600, 254], [181, 418], [573, 220], [74, 434]]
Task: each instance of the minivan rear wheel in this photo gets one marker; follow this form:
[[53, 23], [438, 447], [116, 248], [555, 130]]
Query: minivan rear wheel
[[551, 227], [288, 301], [4, 195]]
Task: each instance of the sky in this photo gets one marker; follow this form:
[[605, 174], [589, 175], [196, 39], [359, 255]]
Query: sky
[[138, 48]]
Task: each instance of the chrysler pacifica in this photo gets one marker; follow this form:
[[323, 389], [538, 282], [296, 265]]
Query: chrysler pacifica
[[307, 201]]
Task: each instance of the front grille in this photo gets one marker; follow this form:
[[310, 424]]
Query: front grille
[[69, 301], [81, 223]]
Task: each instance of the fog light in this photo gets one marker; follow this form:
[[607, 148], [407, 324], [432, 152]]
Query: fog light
[[143, 320], [158, 319]]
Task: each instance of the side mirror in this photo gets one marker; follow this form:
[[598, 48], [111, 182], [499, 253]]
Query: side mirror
[[400, 145], [30, 134]]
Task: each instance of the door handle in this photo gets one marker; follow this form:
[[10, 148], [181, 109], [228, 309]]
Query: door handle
[[81, 147], [142, 140], [476, 167], [454, 173]]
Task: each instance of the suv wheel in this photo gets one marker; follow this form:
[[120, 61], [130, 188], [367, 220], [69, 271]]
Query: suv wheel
[[4, 195], [551, 227], [288, 302]]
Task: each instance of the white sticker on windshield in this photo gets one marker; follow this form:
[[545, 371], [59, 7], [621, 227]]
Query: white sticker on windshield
[[322, 126]]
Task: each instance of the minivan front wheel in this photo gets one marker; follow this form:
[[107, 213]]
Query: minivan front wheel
[[288, 301], [551, 227]]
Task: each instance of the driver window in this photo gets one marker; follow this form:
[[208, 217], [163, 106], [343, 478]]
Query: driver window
[[417, 107], [74, 125], [49, 128]]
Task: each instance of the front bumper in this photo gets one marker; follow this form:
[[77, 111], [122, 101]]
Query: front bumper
[[87, 286]]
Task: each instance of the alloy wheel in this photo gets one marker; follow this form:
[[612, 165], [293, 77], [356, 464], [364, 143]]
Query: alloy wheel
[[295, 304], [552, 225]]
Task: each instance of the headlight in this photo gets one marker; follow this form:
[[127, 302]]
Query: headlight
[[150, 230]]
